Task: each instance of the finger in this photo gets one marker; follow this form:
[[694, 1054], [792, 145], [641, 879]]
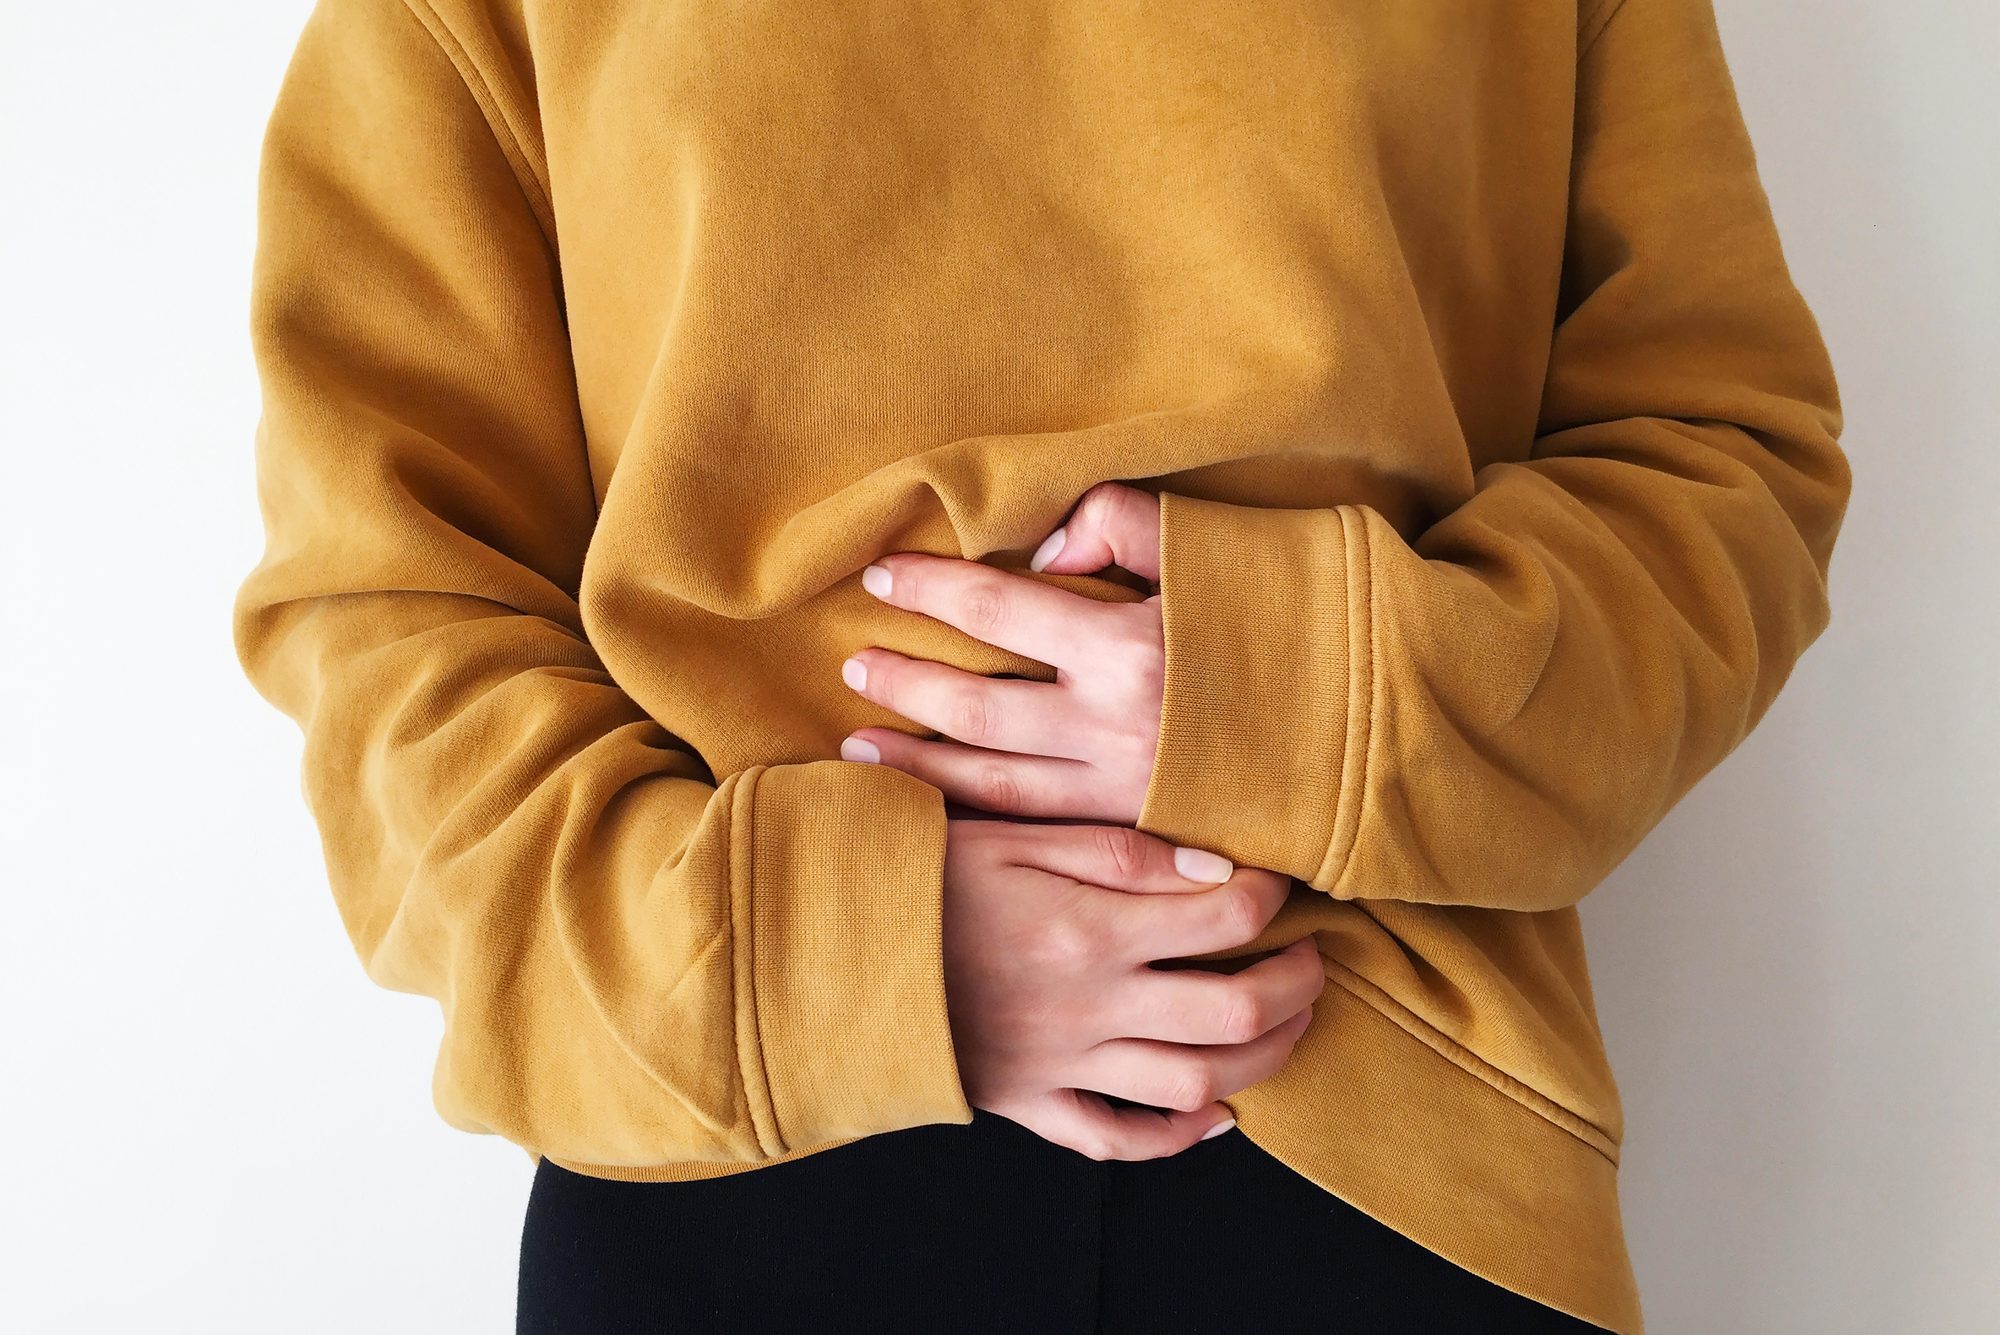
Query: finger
[[1118, 857], [1153, 928], [999, 713], [1202, 1006], [1010, 611], [1113, 524], [1084, 1122], [1184, 1077], [997, 781]]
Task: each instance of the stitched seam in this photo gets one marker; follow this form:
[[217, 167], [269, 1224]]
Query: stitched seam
[[504, 134], [1357, 757], [1600, 17], [743, 958], [1465, 1059]]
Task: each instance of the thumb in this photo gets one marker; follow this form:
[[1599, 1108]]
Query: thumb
[[1113, 524]]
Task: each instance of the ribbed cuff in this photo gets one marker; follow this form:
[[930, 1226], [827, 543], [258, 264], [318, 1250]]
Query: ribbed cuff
[[1264, 723], [846, 1027]]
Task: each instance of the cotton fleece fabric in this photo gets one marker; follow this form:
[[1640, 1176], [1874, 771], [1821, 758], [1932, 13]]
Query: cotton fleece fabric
[[603, 345]]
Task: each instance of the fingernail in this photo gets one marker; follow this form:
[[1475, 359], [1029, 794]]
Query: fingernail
[[1051, 548], [855, 673], [1218, 1128], [876, 580], [861, 749], [1198, 864]]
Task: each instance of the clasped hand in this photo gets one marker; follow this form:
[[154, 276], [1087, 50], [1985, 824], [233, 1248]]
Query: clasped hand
[[1081, 746], [1052, 932]]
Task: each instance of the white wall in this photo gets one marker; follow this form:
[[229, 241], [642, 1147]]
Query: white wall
[[1799, 973], [217, 1124]]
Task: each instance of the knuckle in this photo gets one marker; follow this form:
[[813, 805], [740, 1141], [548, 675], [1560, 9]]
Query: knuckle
[[984, 608], [995, 786], [1098, 1147], [1244, 1016], [1128, 494], [1242, 916], [1123, 849], [1133, 647], [1133, 745], [907, 585], [1149, 666], [1190, 1086], [1120, 503], [1145, 665], [1101, 503], [971, 717], [1088, 504], [1065, 942]]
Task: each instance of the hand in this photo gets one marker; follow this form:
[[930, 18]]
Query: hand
[[1081, 746], [1050, 933]]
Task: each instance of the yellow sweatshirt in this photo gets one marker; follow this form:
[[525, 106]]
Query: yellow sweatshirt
[[603, 345]]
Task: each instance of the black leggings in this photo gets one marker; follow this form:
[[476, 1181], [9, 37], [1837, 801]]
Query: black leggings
[[988, 1227]]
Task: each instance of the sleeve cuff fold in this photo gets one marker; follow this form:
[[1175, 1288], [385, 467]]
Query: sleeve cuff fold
[[1269, 682], [846, 1024]]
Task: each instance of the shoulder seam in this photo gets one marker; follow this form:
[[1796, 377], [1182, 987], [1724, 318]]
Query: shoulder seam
[[509, 139]]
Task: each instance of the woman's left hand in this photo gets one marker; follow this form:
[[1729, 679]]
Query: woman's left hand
[[1081, 746]]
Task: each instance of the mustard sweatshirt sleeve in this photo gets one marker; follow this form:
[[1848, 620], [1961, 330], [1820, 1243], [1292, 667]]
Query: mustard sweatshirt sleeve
[[636, 964], [1496, 712]]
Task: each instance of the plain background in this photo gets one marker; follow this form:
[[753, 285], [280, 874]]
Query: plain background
[[215, 1122]]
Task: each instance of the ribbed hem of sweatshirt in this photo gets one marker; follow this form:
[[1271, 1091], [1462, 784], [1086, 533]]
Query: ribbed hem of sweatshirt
[[1424, 1137], [1484, 1178], [1234, 579]]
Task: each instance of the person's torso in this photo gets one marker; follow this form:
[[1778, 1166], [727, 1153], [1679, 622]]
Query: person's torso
[[850, 279]]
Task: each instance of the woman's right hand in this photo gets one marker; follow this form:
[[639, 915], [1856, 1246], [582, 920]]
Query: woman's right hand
[[1050, 934]]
